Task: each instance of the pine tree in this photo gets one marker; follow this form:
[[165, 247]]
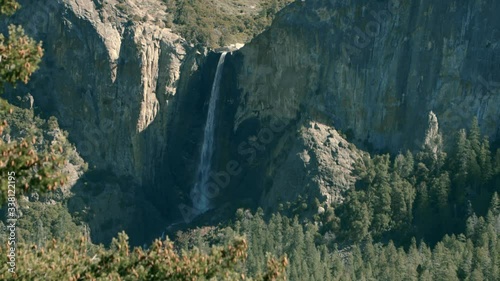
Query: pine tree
[[495, 205], [404, 165], [475, 135], [379, 196], [313, 260], [444, 268], [484, 160], [477, 275], [393, 260], [439, 192], [414, 260], [497, 162], [331, 221], [369, 253], [357, 263], [399, 207], [275, 230], [462, 160], [465, 265], [422, 211], [327, 262], [474, 139], [471, 224], [337, 265], [355, 217], [482, 263]]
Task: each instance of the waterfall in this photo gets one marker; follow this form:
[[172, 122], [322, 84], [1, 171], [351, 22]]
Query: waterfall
[[200, 201]]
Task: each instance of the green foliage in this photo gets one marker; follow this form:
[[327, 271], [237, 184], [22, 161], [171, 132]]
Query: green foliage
[[218, 24], [395, 201], [279, 236], [8, 7], [437, 197], [41, 222], [433, 197], [26, 160], [312, 256], [425, 196], [19, 56], [78, 259], [35, 150], [356, 217]]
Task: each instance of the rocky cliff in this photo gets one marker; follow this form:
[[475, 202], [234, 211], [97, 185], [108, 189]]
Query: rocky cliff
[[372, 70], [327, 76], [110, 75], [377, 69]]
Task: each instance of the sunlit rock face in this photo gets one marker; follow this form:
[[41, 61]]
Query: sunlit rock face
[[377, 69], [296, 104], [106, 77], [110, 75], [374, 70]]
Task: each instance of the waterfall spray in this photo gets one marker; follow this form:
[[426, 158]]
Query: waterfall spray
[[200, 201]]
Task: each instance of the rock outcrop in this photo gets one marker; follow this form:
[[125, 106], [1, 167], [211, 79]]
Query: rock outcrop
[[319, 166], [372, 70], [109, 74], [133, 96], [377, 69]]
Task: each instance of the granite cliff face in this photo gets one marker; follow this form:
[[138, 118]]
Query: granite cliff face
[[373, 70], [106, 77], [295, 102], [377, 69], [110, 74]]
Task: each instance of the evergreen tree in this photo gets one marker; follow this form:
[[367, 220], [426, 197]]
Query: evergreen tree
[[439, 192], [355, 217], [475, 135], [444, 268], [423, 211], [327, 263], [484, 160], [497, 162], [312, 254], [461, 166], [379, 196], [404, 165], [402, 197], [495, 205]]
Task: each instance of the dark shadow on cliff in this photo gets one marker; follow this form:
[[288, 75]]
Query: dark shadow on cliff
[[174, 168]]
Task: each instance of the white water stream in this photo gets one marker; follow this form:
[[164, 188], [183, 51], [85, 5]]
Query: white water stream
[[201, 202]]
